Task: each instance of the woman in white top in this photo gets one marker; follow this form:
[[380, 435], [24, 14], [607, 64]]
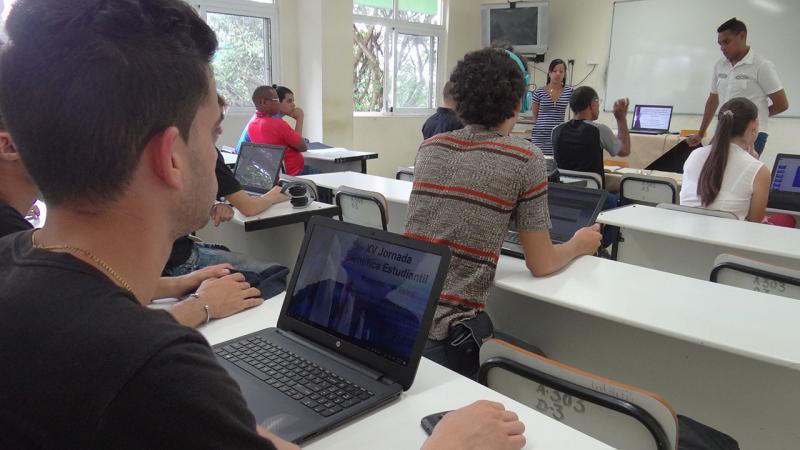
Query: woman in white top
[[727, 175]]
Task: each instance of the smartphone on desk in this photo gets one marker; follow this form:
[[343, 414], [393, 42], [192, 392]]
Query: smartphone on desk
[[429, 422]]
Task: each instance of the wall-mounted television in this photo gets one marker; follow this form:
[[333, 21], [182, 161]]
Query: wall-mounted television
[[524, 24]]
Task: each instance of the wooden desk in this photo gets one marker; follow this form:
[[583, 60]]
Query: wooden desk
[[687, 244], [329, 159], [397, 192], [274, 235], [713, 351], [397, 424]]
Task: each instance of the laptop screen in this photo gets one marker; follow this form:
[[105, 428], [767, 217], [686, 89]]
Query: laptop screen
[[258, 166], [368, 292], [651, 117], [572, 209], [784, 192]]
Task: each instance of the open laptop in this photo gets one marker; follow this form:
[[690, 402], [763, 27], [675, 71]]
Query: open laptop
[[651, 119], [784, 191], [350, 333], [571, 208], [258, 167]]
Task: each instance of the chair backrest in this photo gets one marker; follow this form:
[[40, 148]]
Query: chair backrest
[[593, 180], [757, 276], [310, 185], [647, 190], [620, 415], [700, 211], [404, 174], [362, 207]]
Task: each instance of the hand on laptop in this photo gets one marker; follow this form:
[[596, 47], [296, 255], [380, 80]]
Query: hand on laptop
[[279, 443], [588, 239], [483, 425], [227, 295], [276, 196]]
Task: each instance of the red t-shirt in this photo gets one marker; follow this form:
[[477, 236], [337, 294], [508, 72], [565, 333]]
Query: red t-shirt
[[264, 129]]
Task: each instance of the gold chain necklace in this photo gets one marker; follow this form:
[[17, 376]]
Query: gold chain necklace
[[99, 262]]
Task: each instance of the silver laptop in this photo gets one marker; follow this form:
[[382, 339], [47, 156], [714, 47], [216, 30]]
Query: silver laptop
[[258, 167], [651, 119], [350, 334], [571, 208], [784, 190]]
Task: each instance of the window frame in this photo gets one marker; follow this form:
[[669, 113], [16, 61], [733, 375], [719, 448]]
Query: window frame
[[269, 11], [395, 27]]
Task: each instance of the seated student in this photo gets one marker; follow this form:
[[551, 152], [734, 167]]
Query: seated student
[[579, 144], [216, 292], [466, 199], [288, 108], [727, 174], [188, 256], [72, 324], [445, 118], [266, 129]]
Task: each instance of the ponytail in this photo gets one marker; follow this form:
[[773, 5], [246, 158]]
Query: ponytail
[[733, 119]]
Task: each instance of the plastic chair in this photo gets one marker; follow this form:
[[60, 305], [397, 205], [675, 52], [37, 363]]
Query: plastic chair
[[593, 180], [405, 174], [700, 211], [362, 207], [756, 276], [620, 415], [647, 190]]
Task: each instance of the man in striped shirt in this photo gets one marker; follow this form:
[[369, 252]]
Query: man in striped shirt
[[468, 185]]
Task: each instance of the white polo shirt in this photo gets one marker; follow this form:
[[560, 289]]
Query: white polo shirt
[[753, 78]]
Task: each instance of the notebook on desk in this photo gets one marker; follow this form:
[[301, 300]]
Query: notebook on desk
[[350, 333], [258, 167], [784, 190], [651, 119], [571, 208]]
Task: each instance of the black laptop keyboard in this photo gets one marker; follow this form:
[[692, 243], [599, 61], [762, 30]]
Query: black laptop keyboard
[[320, 390]]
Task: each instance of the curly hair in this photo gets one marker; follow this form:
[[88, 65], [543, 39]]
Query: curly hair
[[487, 87]]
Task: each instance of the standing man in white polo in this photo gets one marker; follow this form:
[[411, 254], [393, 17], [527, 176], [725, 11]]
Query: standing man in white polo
[[743, 73]]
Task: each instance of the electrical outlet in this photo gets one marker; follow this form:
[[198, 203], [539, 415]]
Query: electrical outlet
[[591, 62]]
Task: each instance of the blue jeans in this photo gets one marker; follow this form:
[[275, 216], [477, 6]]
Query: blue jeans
[[761, 142], [308, 170], [204, 256]]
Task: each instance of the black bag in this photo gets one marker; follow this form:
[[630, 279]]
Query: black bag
[[464, 343]]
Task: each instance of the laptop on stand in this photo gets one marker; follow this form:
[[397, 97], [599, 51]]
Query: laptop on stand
[[571, 208], [651, 119], [784, 190], [350, 333], [258, 167]]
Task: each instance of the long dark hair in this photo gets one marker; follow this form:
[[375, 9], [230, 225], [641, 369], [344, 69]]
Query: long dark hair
[[553, 65], [732, 121]]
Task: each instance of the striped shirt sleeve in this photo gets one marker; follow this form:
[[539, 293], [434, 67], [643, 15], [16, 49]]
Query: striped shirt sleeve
[[531, 213]]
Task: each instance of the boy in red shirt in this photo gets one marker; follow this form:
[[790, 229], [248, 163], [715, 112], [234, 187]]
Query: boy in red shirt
[[265, 129]]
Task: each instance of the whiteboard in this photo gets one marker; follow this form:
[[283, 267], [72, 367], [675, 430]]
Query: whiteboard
[[663, 51]]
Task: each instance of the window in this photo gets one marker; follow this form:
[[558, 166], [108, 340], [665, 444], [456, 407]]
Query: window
[[245, 58], [396, 55]]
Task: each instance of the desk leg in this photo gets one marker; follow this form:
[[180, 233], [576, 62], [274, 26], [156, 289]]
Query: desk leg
[[363, 166]]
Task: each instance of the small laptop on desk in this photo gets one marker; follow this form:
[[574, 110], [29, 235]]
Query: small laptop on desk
[[571, 208], [784, 190], [350, 334], [258, 167], [651, 119]]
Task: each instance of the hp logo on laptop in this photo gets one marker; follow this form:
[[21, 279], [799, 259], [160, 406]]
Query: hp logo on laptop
[[338, 344]]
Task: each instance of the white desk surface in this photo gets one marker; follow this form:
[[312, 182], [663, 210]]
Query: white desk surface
[[754, 325], [334, 153], [397, 191], [278, 210], [397, 424], [734, 234]]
